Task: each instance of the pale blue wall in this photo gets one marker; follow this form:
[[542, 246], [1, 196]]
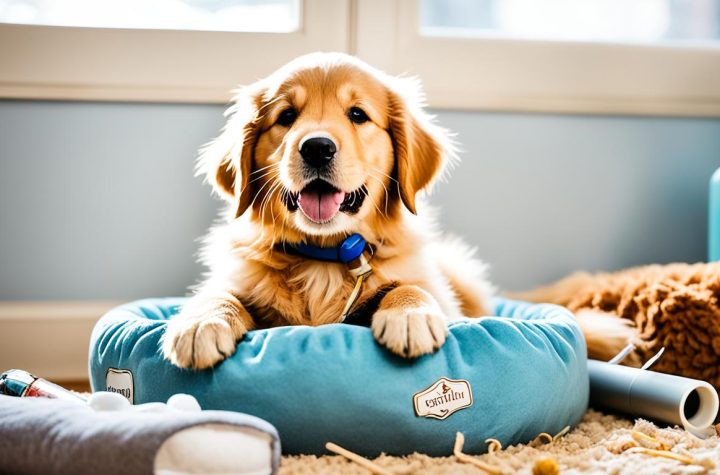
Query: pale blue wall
[[97, 200], [551, 194]]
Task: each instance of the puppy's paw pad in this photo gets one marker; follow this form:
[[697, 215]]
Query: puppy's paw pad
[[410, 332], [198, 342]]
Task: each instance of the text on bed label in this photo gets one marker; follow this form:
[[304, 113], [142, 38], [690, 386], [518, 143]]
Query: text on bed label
[[443, 398]]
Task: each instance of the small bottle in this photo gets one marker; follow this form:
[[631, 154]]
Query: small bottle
[[19, 383]]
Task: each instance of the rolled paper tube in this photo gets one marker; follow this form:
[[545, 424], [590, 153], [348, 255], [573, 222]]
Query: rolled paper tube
[[690, 403]]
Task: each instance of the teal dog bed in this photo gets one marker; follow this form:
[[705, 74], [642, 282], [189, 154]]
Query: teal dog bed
[[508, 377]]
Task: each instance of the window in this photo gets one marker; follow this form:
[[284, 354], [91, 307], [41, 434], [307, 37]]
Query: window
[[655, 57], [278, 16], [649, 57], [182, 62], [645, 21]]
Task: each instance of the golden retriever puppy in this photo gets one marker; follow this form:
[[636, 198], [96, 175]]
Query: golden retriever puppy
[[324, 149]]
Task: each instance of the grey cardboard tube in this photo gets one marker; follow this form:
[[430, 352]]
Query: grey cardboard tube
[[690, 403]]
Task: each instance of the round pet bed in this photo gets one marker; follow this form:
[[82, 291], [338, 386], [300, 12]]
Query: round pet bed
[[507, 377]]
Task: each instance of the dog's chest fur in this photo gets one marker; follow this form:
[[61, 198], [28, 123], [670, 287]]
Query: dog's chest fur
[[309, 292], [306, 293]]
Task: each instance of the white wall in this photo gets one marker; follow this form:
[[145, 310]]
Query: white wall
[[98, 201]]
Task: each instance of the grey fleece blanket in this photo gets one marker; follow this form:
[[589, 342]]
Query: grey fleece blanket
[[50, 436]]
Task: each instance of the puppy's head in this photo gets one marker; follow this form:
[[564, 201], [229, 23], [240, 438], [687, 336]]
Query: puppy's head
[[323, 145]]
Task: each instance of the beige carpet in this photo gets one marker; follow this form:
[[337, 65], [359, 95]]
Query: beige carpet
[[600, 444]]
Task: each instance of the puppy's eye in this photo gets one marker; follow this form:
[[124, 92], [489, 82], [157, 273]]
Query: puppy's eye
[[357, 115], [287, 117]]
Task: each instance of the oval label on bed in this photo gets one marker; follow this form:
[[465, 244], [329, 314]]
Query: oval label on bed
[[443, 398]]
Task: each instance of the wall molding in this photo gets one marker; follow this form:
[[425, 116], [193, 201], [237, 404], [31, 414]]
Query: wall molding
[[49, 338]]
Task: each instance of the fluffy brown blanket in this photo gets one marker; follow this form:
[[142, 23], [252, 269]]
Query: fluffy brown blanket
[[675, 306]]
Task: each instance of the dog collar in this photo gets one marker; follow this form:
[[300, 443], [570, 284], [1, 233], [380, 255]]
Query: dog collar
[[348, 250]]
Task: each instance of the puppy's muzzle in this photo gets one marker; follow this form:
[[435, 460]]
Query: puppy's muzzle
[[317, 151]]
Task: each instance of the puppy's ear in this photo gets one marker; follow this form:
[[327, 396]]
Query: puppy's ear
[[422, 149], [227, 161]]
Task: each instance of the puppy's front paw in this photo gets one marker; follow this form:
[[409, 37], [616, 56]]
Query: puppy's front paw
[[410, 332], [200, 342]]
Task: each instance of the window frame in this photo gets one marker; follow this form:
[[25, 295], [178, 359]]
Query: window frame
[[487, 74], [79, 63], [542, 76]]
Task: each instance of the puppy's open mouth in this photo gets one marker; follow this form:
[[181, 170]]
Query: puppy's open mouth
[[320, 201]]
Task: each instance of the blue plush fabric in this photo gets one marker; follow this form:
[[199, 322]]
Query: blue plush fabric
[[527, 369]]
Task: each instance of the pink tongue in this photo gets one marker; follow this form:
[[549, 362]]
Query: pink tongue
[[320, 207]]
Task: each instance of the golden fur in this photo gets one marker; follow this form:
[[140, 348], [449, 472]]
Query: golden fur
[[254, 164]]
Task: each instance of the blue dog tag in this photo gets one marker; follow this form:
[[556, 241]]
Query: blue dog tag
[[351, 248]]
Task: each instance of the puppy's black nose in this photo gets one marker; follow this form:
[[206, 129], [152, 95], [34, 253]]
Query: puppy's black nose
[[318, 151]]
